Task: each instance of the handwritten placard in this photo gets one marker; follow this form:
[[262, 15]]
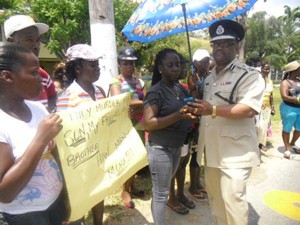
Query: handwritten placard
[[99, 150]]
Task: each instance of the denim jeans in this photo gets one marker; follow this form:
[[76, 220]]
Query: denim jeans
[[163, 162], [54, 215]]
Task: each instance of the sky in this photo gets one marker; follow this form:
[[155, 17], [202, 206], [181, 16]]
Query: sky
[[273, 7]]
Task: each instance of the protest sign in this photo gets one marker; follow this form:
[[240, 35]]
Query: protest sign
[[99, 150]]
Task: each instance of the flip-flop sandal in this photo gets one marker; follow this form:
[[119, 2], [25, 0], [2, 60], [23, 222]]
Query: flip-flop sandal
[[181, 210], [203, 191], [296, 149], [129, 205], [199, 195], [287, 154], [187, 203], [263, 148]]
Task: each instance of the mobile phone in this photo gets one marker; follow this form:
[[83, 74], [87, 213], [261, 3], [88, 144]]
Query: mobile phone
[[189, 99]]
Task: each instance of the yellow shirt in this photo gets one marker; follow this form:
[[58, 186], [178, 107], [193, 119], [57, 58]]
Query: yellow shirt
[[267, 93]]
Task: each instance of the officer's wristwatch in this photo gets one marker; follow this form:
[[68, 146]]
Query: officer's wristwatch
[[214, 112]]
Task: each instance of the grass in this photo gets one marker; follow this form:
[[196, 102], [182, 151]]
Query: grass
[[276, 119], [115, 211]]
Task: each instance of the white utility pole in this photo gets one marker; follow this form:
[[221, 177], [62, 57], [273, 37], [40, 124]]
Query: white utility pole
[[103, 38]]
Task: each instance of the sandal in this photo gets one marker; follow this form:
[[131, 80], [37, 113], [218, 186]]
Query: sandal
[[262, 147], [199, 195], [186, 202], [181, 210], [287, 154], [296, 149], [129, 205], [203, 191]]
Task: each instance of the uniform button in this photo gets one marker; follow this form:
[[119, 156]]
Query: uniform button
[[206, 124], [210, 98], [214, 84]]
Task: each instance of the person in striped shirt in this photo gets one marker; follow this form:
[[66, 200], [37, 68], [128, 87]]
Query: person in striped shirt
[[82, 69]]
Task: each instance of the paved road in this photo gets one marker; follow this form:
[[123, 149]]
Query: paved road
[[274, 189], [273, 196]]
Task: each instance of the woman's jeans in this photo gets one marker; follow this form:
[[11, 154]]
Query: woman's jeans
[[163, 162]]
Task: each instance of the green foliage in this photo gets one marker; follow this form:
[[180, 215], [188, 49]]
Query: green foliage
[[65, 18], [7, 4], [122, 11], [146, 51], [69, 24], [275, 39]]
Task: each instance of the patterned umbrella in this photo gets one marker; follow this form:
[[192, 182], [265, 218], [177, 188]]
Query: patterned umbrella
[[155, 19]]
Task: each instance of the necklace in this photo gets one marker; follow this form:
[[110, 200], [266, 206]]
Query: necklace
[[176, 94]]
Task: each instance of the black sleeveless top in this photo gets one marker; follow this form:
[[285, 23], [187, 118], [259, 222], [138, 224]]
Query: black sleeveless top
[[293, 92]]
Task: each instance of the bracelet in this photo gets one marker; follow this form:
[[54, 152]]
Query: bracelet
[[214, 112]]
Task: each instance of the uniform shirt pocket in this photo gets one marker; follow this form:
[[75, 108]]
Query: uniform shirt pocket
[[234, 133], [224, 92]]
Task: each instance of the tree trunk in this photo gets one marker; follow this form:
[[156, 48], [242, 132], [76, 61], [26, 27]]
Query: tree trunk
[[103, 39]]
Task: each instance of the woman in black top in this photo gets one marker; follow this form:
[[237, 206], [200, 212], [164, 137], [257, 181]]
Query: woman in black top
[[165, 120]]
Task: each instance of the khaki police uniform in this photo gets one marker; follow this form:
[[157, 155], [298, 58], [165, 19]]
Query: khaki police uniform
[[231, 148]]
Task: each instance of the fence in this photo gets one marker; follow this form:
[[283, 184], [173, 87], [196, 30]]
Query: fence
[[276, 76]]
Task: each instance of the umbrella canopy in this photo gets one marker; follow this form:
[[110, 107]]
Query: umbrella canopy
[[155, 19]]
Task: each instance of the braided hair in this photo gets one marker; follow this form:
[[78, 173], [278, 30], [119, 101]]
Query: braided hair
[[71, 69], [11, 57], [160, 56]]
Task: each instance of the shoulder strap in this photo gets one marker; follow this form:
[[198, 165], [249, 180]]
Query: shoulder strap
[[290, 82], [102, 91], [230, 100]]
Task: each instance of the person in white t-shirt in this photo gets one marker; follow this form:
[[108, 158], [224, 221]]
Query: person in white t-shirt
[[30, 179]]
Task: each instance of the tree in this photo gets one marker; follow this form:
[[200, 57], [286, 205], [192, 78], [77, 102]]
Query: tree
[[68, 21], [69, 24], [64, 17], [290, 31], [103, 38], [277, 40]]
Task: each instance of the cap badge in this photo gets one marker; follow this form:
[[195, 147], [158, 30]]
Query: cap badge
[[220, 30], [128, 51]]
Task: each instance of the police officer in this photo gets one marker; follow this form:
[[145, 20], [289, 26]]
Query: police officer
[[232, 97], [128, 82]]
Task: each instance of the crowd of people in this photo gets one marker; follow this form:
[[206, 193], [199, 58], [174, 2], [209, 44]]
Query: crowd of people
[[221, 98]]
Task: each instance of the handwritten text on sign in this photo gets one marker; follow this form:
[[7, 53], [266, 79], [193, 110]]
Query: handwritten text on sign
[[99, 150]]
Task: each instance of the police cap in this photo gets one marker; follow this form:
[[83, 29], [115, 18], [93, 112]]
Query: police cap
[[127, 53], [226, 29]]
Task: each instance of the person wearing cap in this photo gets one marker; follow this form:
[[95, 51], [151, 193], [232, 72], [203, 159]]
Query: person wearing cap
[[290, 107], [23, 30], [31, 181], [127, 82], [201, 60], [232, 97], [82, 70]]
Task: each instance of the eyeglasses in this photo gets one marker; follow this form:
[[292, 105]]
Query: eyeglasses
[[224, 44]]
